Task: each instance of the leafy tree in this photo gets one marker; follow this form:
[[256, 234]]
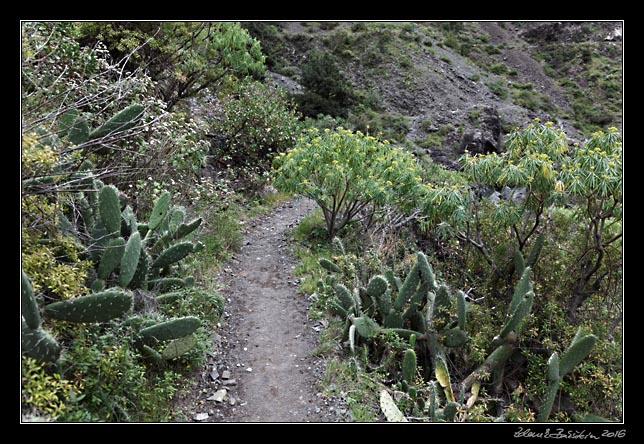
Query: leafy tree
[[538, 172], [184, 58], [348, 173], [593, 176]]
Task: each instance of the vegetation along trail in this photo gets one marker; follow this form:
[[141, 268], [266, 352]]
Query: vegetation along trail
[[263, 361]]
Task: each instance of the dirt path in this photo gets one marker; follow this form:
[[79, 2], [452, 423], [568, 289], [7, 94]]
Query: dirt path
[[263, 369]]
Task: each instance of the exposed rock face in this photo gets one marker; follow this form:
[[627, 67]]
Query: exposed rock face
[[486, 136], [615, 35]]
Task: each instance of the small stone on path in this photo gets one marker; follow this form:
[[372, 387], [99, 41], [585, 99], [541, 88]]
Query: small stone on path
[[218, 396], [200, 417]]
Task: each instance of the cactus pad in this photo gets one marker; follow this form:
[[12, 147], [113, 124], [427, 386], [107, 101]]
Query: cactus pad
[[328, 265], [28, 304], [173, 254], [96, 307], [172, 329], [38, 344], [109, 208]]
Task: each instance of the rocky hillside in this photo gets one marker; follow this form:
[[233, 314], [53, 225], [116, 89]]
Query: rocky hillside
[[441, 88]]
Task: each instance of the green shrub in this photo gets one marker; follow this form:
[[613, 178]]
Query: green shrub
[[499, 68], [346, 173], [257, 122], [326, 91], [45, 395], [498, 89]]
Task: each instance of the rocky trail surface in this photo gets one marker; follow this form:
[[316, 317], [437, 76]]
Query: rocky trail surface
[[262, 368]]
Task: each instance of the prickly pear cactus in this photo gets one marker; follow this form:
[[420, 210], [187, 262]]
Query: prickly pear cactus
[[328, 265], [96, 307], [173, 254], [390, 409], [130, 259], [38, 344], [409, 366], [110, 208], [28, 305], [111, 257], [160, 211], [172, 329], [121, 121]]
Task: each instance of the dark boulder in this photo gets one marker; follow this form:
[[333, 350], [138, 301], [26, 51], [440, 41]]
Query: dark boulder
[[485, 136]]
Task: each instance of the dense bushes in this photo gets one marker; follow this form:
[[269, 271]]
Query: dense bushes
[[557, 212], [100, 150], [256, 123], [182, 58]]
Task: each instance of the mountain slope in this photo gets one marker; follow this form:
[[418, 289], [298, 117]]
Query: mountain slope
[[440, 88]]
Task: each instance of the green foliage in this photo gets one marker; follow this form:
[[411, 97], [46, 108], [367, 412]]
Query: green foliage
[[590, 75], [498, 89], [180, 55], [346, 173], [80, 230], [257, 122], [43, 393], [326, 89]]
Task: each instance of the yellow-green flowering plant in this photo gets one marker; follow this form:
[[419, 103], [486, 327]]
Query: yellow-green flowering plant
[[540, 170], [348, 174]]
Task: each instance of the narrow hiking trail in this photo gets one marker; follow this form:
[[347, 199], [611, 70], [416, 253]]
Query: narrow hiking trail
[[262, 369]]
